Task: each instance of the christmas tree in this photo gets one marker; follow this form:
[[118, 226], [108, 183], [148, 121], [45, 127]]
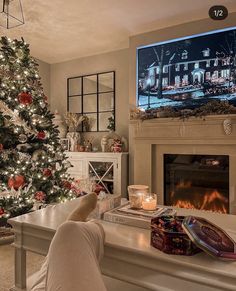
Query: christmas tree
[[33, 165]]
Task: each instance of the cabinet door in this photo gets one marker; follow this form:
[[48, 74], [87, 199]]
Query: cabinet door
[[104, 173], [78, 169]]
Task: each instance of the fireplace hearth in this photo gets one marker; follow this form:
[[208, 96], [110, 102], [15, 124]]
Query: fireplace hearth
[[197, 181]]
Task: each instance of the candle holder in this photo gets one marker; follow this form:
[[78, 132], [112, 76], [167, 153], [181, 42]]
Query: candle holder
[[136, 193], [149, 202]]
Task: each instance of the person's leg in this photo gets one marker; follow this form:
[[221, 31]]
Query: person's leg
[[77, 247], [73, 258], [87, 205]]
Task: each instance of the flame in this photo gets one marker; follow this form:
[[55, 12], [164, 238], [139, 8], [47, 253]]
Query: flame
[[184, 204], [210, 200]]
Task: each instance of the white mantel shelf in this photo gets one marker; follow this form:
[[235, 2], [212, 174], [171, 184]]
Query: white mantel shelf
[[198, 129], [128, 254]]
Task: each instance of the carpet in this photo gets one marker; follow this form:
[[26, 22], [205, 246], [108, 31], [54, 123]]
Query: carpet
[[34, 262]]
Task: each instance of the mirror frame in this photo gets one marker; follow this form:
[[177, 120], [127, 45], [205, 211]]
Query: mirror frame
[[97, 92]]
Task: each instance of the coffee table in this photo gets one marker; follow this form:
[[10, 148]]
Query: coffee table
[[128, 254]]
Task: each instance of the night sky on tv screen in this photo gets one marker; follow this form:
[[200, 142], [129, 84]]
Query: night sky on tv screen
[[188, 73]]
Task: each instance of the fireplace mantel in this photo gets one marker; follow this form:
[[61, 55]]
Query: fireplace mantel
[[151, 139], [198, 129]]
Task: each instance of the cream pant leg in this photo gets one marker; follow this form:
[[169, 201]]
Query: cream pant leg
[[72, 263]]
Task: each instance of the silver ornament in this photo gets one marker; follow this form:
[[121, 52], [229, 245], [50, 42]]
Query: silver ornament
[[22, 138], [23, 147]]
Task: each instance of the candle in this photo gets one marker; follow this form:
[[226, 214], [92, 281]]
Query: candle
[[136, 200], [136, 193], [149, 202]]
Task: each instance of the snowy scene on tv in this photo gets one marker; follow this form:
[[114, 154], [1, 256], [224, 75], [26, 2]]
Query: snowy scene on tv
[[188, 73]]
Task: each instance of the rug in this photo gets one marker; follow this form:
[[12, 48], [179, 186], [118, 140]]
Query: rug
[[34, 262]]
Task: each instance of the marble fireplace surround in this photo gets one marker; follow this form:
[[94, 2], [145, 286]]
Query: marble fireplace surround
[[151, 139]]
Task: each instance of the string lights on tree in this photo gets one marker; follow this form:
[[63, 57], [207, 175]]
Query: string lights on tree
[[33, 165]]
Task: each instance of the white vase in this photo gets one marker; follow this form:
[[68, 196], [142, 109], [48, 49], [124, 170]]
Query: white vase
[[57, 120], [74, 139]]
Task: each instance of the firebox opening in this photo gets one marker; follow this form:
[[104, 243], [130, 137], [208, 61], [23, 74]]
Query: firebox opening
[[197, 181]]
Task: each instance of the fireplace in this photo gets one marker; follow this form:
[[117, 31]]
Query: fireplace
[[213, 150], [197, 181]]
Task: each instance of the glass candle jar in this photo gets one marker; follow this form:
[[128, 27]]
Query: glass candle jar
[[136, 193], [149, 201]]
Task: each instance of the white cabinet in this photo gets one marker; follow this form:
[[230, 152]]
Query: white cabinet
[[108, 169]]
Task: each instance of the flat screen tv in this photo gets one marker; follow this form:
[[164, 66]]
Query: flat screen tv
[[188, 72]]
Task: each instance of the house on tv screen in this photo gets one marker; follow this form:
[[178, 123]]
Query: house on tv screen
[[187, 70]]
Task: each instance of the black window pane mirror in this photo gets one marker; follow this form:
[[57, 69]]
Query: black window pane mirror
[[92, 96]]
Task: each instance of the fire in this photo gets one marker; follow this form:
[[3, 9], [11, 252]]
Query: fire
[[184, 204], [186, 196]]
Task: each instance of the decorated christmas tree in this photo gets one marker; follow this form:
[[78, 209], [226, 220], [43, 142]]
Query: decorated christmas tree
[[33, 165]]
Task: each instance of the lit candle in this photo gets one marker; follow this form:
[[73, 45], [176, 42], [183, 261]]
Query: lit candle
[[149, 202]]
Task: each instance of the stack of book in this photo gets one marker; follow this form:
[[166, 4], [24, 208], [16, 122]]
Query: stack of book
[[138, 218]]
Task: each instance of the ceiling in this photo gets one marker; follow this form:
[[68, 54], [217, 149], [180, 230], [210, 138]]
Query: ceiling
[[60, 30]]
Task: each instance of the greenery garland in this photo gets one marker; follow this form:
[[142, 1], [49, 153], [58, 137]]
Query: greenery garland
[[214, 107]]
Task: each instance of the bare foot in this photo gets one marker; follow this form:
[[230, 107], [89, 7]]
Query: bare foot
[[86, 206]]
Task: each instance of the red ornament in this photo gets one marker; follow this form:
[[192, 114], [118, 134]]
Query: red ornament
[[1, 147], [41, 135], [16, 182], [25, 98], [40, 196], [47, 172], [98, 188], [2, 211], [76, 190], [67, 185]]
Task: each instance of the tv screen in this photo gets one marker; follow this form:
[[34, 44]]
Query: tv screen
[[188, 72]]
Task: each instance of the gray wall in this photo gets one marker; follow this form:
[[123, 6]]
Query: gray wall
[[44, 72], [117, 61]]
